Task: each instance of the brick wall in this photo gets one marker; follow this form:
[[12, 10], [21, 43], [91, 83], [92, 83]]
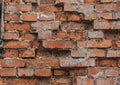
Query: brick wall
[[61, 42]]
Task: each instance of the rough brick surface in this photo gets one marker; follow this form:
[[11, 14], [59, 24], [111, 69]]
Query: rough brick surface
[[60, 42]]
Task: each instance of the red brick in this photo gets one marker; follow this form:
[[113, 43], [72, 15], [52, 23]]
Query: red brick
[[61, 35], [23, 81], [27, 53], [96, 53], [78, 53], [45, 35], [71, 62], [78, 35], [38, 62], [25, 7], [68, 7], [78, 72], [11, 36], [50, 8], [12, 63], [44, 72], [19, 27], [47, 16], [60, 72], [16, 44], [7, 72], [25, 72], [10, 53], [116, 44], [45, 25], [29, 17], [57, 44], [83, 81], [96, 72], [106, 63], [2, 81], [35, 44], [28, 36], [104, 81], [112, 72]]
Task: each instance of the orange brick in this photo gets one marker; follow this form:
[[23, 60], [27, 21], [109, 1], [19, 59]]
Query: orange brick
[[107, 15], [2, 81], [47, 16], [60, 16], [78, 35], [7, 72], [61, 35], [57, 44], [20, 27], [28, 36], [29, 17], [16, 44], [43, 72]]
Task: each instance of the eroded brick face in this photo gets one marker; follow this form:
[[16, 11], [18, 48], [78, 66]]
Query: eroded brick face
[[61, 42]]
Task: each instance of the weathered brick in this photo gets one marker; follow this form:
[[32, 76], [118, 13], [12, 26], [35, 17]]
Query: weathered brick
[[23, 81], [60, 35], [2, 81], [57, 44], [113, 53], [116, 44], [44, 35], [103, 81], [71, 62], [83, 81], [45, 25], [78, 35], [28, 36], [48, 8], [11, 36], [16, 44], [27, 53], [47, 16], [44, 72], [43, 62], [29, 17], [7, 72], [112, 72], [25, 7], [25, 72], [47, 1], [95, 34], [12, 63], [78, 53], [10, 53], [96, 72], [60, 16], [78, 72]]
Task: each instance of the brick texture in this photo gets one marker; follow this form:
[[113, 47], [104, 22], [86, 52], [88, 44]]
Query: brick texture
[[60, 42]]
